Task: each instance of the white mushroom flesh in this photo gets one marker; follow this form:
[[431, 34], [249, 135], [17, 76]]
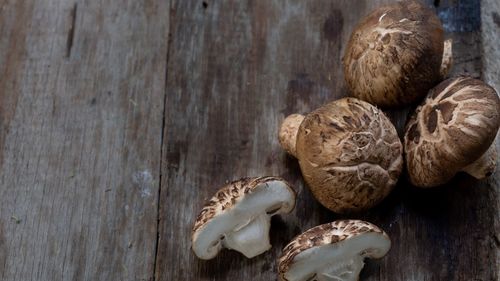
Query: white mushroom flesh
[[341, 261], [245, 226], [251, 239]]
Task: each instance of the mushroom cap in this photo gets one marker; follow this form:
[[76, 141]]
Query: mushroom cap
[[333, 243], [237, 205], [453, 127], [394, 54], [350, 155]]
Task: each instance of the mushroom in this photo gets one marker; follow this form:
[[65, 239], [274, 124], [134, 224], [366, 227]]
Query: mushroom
[[332, 252], [453, 130], [238, 216], [396, 54], [349, 153]]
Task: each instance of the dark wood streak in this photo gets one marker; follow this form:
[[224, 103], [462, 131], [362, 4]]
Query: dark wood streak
[[496, 18], [71, 32], [333, 26], [3, 248], [298, 89]]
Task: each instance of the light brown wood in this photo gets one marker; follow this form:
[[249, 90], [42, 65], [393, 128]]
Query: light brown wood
[[81, 100]]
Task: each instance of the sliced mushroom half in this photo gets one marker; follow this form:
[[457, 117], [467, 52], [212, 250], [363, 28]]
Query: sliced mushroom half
[[332, 252], [238, 216]]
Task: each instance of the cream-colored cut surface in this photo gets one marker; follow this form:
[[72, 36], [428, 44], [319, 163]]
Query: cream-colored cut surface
[[333, 251], [238, 217], [342, 262]]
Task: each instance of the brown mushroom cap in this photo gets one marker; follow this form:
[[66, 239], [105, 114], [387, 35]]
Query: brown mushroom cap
[[334, 249], [238, 216], [350, 155], [452, 128], [394, 54]]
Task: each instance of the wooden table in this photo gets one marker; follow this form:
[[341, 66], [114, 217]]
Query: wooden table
[[119, 118]]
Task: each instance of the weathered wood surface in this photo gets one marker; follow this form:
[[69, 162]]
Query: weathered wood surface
[[236, 68], [81, 100], [113, 111], [490, 18]]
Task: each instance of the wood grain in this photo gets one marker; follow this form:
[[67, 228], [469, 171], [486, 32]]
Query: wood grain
[[119, 118], [236, 69], [81, 100], [490, 31]]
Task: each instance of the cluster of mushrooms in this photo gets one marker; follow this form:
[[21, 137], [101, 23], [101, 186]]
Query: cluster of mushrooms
[[350, 154]]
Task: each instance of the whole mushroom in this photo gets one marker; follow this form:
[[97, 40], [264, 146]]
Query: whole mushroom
[[349, 153], [332, 252], [238, 216], [395, 54], [453, 130]]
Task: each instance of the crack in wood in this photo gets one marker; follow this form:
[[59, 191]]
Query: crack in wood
[[71, 32], [158, 225]]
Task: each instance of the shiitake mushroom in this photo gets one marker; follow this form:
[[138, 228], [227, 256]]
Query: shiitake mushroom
[[349, 153], [395, 54]]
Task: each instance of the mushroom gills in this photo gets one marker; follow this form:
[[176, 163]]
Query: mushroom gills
[[338, 262], [251, 239]]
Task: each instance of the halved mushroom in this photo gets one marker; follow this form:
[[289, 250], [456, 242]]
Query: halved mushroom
[[238, 216], [332, 252], [349, 153], [451, 131], [396, 54]]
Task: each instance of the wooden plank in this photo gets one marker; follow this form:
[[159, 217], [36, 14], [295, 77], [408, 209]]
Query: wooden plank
[[490, 26], [81, 99], [236, 69]]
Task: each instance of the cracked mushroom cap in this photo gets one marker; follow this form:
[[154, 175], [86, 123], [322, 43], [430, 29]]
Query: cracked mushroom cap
[[394, 55], [333, 251], [350, 155], [451, 131], [238, 216]]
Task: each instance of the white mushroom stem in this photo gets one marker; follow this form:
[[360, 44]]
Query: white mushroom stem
[[288, 133], [485, 165], [447, 61], [348, 271], [250, 239]]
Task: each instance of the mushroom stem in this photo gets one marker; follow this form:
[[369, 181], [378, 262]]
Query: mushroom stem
[[343, 272], [288, 133], [485, 165], [447, 61], [251, 239]]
